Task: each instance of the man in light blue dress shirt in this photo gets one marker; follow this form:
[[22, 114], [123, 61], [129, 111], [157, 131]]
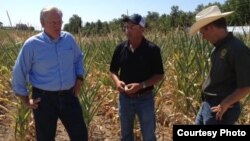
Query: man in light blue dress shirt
[[52, 63]]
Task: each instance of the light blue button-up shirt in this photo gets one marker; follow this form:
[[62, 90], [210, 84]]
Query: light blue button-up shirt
[[47, 64]]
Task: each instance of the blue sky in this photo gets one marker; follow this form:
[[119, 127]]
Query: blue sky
[[27, 11]]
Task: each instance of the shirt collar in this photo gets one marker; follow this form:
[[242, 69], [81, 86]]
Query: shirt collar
[[127, 44], [220, 42], [45, 35]]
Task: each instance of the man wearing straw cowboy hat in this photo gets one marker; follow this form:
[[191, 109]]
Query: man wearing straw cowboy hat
[[228, 80]]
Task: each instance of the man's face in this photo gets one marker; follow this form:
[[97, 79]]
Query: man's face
[[133, 30], [207, 33], [204, 32], [53, 24]]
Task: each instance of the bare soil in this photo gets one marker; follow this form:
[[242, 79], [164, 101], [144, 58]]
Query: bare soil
[[103, 127]]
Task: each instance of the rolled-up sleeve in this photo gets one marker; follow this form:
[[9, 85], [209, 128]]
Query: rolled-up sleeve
[[21, 69], [78, 58]]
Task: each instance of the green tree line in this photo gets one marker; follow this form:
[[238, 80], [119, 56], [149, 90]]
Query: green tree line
[[156, 22]]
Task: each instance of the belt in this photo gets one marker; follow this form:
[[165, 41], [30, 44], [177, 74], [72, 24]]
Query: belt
[[60, 92], [140, 94], [211, 97]]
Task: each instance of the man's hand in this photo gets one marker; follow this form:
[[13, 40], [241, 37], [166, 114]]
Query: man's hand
[[120, 86], [132, 88], [33, 103], [30, 103], [77, 87], [220, 110]]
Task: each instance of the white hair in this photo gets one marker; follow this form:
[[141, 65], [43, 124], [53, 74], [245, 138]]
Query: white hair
[[44, 12]]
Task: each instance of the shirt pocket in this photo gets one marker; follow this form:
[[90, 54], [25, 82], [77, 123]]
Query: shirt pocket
[[67, 58]]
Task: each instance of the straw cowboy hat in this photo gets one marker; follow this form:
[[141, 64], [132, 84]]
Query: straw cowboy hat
[[207, 16]]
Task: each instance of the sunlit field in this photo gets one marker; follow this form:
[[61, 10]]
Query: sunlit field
[[186, 63]]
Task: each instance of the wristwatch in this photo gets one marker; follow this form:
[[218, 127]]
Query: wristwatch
[[79, 77], [144, 85]]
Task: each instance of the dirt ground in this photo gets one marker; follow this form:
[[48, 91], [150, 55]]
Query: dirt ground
[[106, 131], [103, 127]]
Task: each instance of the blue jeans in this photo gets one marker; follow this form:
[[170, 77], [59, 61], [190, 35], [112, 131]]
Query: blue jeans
[[143, 106], [63, 106], [206, 117]]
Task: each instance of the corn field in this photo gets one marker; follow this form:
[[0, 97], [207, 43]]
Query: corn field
[[186, 63]]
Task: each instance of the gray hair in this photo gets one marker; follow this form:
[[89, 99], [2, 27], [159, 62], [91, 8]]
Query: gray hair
[[44, 12]]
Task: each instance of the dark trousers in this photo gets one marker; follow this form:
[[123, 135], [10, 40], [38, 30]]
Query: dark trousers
[[63, 105]]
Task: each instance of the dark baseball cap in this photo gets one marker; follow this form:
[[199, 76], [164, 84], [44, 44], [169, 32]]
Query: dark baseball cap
[[136, 19]]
